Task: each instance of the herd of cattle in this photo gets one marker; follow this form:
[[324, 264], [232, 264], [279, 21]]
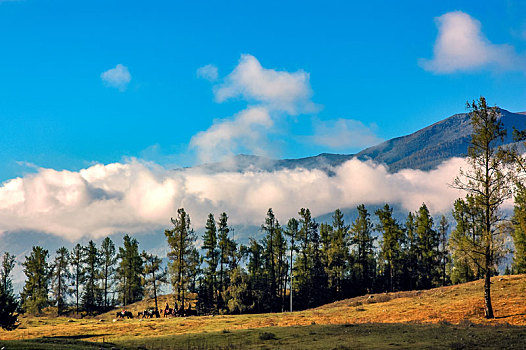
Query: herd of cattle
[[153, 312]]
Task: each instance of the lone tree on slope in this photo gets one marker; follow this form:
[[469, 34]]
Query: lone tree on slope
[[490, 183]]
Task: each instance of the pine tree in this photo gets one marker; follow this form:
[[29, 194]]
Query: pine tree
[[428, 244], [311, 279], [443, 229], [34, 296], [225, 248], [60, 276], [92, 274], [211, 259], [466, 233], [270, 257], [256, 273], [292, 231], [363, 241], [519, 230], [8, 303], [412, 251], [78, 272], [391, 247], [180, 239], [108, 261], [129, 272], [489, 181], [154, 275]]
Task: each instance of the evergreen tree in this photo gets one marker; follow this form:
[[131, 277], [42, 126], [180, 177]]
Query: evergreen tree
[[180, 239], [129, 272], [489, 181], [154, 275], [237, 294], [60, 276], [78, 272], [363, 243], [211, 258], [34, 296], [428, 244], [412, 251], [391, 247], [8, 303], [256, 272], [269, 255], [92, 274], [108, 261], [443, 229], [519, 230], [225, 246], [292, 231], [466, 233], [311, 279]]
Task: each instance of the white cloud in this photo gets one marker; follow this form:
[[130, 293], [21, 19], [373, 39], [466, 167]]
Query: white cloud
[[208, 72], [461, 46], [136, 197], [344, 134], [271, 95], [118, 77], [278, 90], [246, 131]]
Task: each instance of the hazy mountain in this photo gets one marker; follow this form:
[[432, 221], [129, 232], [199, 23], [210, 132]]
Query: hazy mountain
[[423, 149]]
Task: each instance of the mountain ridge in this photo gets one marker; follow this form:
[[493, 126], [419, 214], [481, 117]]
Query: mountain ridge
[[423, 149]]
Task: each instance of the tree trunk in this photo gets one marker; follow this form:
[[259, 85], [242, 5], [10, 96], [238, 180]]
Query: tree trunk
[[154, 290], [488, 309]]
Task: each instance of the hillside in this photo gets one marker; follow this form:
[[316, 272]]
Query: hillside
[[423, 149], [459, 305]]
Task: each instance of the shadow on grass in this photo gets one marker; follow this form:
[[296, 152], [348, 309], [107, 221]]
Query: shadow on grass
[[507, 316], [76, 337]]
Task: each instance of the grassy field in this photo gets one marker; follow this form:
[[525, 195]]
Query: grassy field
[[447, 317]]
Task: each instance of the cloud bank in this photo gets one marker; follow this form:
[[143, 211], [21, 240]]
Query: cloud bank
[[136, 197], [118, 77], [461, 46]]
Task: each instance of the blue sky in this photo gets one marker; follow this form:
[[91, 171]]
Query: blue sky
[[362, 61]]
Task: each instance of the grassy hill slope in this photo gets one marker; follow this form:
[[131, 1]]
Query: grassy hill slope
[[458, 308]]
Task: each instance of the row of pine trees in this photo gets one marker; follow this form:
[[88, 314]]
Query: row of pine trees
[[298, 265]]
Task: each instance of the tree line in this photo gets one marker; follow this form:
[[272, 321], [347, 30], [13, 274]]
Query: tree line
[[302, 263]]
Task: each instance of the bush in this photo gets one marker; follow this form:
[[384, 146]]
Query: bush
[[267, 336]]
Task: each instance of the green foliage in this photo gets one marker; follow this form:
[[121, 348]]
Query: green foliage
[[427, 249], [180, 239], [489, 181], [8, 303], [154, 275], [209, 294], [78, 272], [129, 272], [335, 246], [391, 253], [108, 261], [519, 230], [34, 296], [363, 252], [60, 276], [91, 297]]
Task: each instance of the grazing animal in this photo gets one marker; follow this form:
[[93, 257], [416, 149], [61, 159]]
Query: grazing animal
[[190, 312], [167, 312], [124, 314]]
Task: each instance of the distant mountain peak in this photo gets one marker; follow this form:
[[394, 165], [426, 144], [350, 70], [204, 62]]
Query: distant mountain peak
[[423, 149]]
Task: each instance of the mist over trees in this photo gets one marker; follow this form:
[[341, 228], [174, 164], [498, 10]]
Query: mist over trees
[[302, 264]]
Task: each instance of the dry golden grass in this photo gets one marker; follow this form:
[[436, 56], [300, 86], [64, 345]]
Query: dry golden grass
[[461, 304]]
